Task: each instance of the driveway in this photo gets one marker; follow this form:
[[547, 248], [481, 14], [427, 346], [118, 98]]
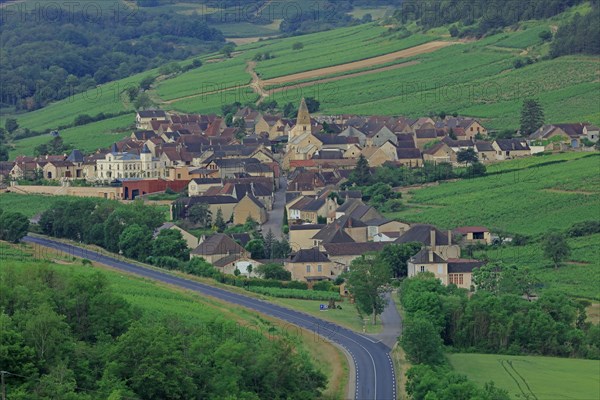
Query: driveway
[[392, 323]]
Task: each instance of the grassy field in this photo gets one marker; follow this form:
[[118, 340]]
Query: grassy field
[[158, 300], [577, 277], [528, 200], [347, 316], [28, 205], [87, 138], [542, 378]]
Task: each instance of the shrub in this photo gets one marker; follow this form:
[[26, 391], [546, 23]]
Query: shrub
[[324, 286], [584, 228]]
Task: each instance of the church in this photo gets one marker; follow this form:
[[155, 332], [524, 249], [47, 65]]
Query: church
[[302, 144]]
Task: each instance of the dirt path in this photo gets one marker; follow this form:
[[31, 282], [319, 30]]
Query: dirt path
[[257, 84], [338, 78], [369, 62]]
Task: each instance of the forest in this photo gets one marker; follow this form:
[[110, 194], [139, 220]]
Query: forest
[[478, 17], [51, 55], [69, 336]]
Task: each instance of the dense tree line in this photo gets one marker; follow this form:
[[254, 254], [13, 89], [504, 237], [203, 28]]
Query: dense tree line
[[479, 17], [580, 35], [47, 59], [71, 337], [496, 319], [13, 226]]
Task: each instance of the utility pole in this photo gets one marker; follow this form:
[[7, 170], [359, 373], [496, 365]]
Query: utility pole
[[2, 373]]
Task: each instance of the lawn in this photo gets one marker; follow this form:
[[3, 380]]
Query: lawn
[[163, 301], [347, 316], [542, 378], [529, 201]]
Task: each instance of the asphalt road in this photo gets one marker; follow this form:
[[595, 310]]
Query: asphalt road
[[275, 222], [375, 377]]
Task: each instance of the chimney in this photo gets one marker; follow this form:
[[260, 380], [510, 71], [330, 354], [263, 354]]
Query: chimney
[[449, 237], [431, 256], [432, 238]]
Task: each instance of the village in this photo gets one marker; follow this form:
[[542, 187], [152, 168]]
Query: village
[[288, 179]]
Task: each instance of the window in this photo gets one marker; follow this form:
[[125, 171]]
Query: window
[[308, 269], [422, 268], [319, 268], [456, 279], [478, 236]]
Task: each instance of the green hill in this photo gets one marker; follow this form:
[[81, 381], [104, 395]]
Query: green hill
[[30, 269], [473, 78]]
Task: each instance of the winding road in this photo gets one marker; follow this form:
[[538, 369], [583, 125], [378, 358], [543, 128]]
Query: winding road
[[375, 377]]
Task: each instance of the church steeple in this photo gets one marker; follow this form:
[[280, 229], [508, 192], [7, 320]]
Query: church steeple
[[303, 114]]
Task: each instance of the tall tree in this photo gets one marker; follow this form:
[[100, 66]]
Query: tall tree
[[422, 342], [200, 214], [269, 244], [13, 226], [136, 242], [362, 174], [366, 279], [219, 221], [396, 257], [170, 243], [555, 247], [467, 156], [532, 117], [11, 125]]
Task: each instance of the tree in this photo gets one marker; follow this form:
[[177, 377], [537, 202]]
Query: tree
[[219, 221], [422, 342], [13, 226], [170, 243], [269, 242], [227, 50], [256, 248], [365, 281], [200, 214], [281, 249], [555, 247], [136, 242], [143, 101], [467, 156], [532, 117], [298, 46], [250, 225], [146, 83], [3, 152], [396, 257], [312, 104], [289, 110], [451, 134], [11, 125], [273, 271], [361, 176]]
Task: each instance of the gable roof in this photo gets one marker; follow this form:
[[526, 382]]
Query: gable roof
[[512, 144], [352, 249], [422, 257], [461, 265], [309, 255], [422, 233], [218, 244]]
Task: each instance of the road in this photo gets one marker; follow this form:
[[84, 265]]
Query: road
[[375, 377], [392, 323], [275, 222]]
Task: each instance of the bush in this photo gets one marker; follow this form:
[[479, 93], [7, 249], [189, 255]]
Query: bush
[[166, 262], [323, 286], [295, 293], [584, 228]]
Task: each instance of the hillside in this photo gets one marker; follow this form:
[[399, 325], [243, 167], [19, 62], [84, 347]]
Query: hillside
[[187, 316], [524, 197], [473, 78]]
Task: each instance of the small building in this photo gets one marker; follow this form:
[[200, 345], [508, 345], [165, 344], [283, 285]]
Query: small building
[[197, 187], [455, 271], [311, 265], [474, 234], [249, 206], [383, 225], [507, 149], [217, 247]]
